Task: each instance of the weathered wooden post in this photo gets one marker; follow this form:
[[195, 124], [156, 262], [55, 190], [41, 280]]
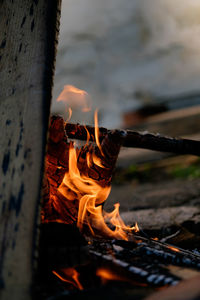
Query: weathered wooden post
[[28, 38]]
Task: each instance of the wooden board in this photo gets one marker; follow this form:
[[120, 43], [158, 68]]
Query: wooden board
[[28, 39]]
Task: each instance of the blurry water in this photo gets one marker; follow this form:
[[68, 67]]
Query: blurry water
[[114, 48]]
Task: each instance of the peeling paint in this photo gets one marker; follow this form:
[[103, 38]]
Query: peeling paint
[[5, 162], [23, 21], [32, 25], [3, 44], [16, 202]]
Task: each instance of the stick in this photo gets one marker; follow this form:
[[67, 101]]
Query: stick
[[135, 139]]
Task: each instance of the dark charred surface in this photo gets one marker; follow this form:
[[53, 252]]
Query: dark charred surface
[[144, 140], [143, 265], [55, 205]]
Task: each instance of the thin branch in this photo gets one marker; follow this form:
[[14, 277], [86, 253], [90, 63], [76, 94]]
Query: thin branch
[[135, 139]]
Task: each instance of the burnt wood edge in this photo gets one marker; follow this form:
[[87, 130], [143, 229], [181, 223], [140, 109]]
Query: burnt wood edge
[[136, 139]]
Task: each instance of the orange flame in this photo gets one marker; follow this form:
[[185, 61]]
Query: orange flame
[[174, 249], [70, 275], [108, 275], [88, 135], [97, 131], [91, 195], [73, 97]]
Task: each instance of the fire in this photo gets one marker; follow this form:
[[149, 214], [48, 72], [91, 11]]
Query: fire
[[174, 249], [85, 182], [91, 196], [74, 98], [106, 274], [97, 131], [70, 275]]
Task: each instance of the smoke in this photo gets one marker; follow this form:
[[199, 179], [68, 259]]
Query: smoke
[[172, 23], [114, 48]]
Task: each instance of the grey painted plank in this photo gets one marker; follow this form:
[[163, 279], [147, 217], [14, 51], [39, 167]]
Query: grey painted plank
[[28, 39]]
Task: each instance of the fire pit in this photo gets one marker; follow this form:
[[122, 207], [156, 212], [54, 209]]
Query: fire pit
[[105, 251], [79, 249]]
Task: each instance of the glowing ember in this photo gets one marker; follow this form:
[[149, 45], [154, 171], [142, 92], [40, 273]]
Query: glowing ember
[[69, 275], [174, 249], [108, 275]]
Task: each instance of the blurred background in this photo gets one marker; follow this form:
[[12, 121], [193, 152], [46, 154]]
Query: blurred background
[[133, 57]]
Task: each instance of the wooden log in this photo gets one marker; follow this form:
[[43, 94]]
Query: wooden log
[[135, 139], [28, 38], [64, 207]]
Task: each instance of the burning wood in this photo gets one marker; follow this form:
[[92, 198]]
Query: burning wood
[[77, 181], [71, 276], [135, 139], [145, 259], [142, 262]]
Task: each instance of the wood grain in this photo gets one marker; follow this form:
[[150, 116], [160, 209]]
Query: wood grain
[[28, 38]]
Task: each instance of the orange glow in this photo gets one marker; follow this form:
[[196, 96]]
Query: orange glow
[[91, 195], [84, 187], [174, 249], [76, 98], [136, 227], [155, 239], [106, 275], [97, 161], [70, 275]]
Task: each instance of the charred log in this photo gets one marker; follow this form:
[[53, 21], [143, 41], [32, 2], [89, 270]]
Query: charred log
[[145, 260], [135, 139], [168, 253], [96, 163]]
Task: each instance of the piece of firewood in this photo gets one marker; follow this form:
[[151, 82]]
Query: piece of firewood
[[56, 206], [135, 139]]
